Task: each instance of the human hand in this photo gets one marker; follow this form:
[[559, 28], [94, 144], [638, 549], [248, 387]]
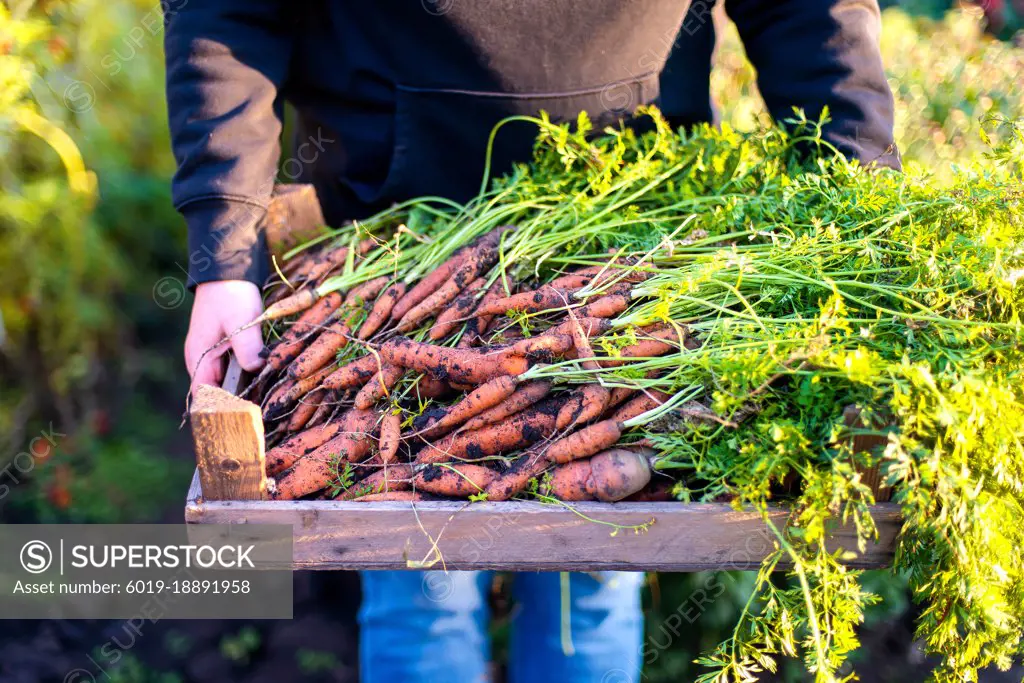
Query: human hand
[[219, 309]]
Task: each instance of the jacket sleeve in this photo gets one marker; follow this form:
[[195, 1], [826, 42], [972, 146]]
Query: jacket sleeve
[[812, 53], [226, 64]]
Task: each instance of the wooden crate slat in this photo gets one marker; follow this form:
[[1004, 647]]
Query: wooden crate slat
[[529, 535]]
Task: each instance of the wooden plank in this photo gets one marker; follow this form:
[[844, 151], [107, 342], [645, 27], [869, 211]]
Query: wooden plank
[[293, 216], [228, 436], [527, 536]]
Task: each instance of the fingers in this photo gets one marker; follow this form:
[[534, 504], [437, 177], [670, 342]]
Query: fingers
[[247, 345], [210, 369], [220, 309]]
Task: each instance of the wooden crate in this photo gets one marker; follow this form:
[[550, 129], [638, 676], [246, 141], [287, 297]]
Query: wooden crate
[[229, 488]]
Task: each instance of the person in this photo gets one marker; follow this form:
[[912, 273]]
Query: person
[[396, 99]]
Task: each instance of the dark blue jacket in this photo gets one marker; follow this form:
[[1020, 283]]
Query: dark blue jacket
[[396, 98]]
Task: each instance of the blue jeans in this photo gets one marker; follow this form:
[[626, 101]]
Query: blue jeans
[[432, 627]]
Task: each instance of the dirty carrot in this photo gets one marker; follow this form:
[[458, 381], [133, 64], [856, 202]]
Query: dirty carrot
[[429, 387], [476, 262], [325, 349], [528, 466], [467, 366], [293, 340], [550, 344], [587, 441], [460, 310], [390, 437], [542, 299], [336, 257], [379, 386], [654, 341], [305, 410], [460, 480], [525, 396], [429, 284], [381, 311], [387, 479], [605, 306], [477, 325], [283, 456], [585, 404], [353, 374], [485, 396], [296, 391], [367, 291], [519, 431], [639, 405]]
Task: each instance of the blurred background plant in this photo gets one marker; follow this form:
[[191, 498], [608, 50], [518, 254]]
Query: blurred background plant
[[947, 76], [93, 307], [85, 226]]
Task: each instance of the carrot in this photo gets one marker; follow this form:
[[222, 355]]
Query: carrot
[[523, 397], [477, 324], [619, 394], [282, 457], [528, 466], [586, 441], [581, 342], [591, 327], [521, 430], [442, 273], [485, 396], [641, 404], [429, 284], [541, 299], [544, 344], [584, 405], [278, 392], [290, 305], [606, 306], [318, 468], [379, 386], [352, 441], [609, 476], [366, 291], [306, 409], [380, 311], [467, 366], [571, 281], [324, 349], [390, 437], [297, 390], [618, 473], [460, 309], [476, 262], [328, 403], [333, 258], [292, 341], [569, 481], [353, 374], [427, 387], [392, 497], [617, 269], [655, 340], [460, 480], [391, 478]]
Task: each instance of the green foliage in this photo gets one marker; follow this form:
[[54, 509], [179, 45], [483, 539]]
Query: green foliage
[[812, 284]]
